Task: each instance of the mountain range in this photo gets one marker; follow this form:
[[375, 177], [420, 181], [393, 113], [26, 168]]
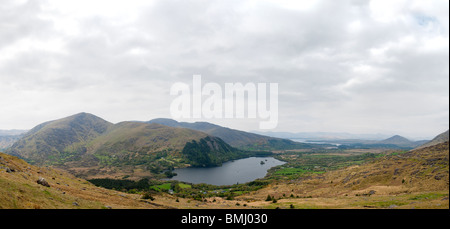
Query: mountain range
[[90, 146], [319, 136], [394, 142], [236, 138]]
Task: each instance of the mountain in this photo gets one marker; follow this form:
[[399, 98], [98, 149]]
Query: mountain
[[89, 146], [53, 141], [395, 140], [400, 141], [443, 137], [236, 138]]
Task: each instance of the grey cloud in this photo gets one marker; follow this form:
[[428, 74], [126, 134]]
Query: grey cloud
[[18, 21], [325, 60]]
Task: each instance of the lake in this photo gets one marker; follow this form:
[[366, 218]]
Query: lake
[[232, 172]]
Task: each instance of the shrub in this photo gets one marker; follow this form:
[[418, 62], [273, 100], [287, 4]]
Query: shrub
[[147, 196]]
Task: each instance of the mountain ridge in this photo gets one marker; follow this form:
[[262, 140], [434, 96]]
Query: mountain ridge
[[236, 138], [393, 142]]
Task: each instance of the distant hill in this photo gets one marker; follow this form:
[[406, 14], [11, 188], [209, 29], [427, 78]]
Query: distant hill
[[89, 146], [8, 137], [394, 142], [443, 137], [8, 140], [320, 136], [236, 138], [12, 132], [400, 141]]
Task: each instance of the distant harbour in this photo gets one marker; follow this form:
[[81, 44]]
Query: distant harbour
[[232, 172]]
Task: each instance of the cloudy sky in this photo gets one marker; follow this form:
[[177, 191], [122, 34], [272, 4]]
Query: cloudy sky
[[355, 66]]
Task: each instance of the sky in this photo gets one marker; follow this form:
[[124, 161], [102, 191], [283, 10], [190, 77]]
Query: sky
[[354, 66]]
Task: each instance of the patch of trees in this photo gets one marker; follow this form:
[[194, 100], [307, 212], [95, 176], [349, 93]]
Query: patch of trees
[[209, 152], [122, 185]]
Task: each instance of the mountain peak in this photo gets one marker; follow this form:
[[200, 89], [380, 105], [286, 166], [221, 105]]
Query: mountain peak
[[59, 135], [398, 137], [165, 121], [84, 115]]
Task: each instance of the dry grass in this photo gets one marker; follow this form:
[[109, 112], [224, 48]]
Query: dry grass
[[19, 190]]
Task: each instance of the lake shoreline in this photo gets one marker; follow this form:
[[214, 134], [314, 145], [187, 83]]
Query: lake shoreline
[[236, 171]]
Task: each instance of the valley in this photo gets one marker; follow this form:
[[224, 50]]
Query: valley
[[88, 162], [91, 147]]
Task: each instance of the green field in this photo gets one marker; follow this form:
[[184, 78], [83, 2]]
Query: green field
[[300, 164], [298, 171]]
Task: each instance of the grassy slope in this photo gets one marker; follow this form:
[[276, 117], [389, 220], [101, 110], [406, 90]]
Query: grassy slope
[[19, 190]]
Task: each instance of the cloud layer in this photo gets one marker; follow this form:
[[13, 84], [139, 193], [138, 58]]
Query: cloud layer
[[346, 66]]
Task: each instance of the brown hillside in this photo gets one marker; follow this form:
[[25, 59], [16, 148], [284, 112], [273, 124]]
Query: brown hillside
[[19, 189], [415, 179]]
